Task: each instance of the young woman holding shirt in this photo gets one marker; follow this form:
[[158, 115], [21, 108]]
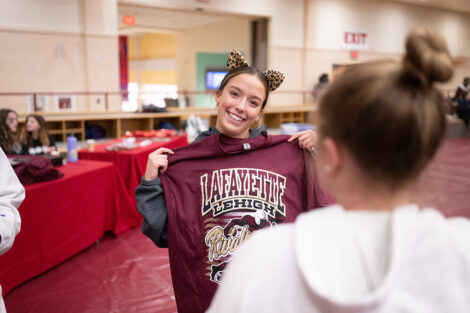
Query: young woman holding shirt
[[205, 199]]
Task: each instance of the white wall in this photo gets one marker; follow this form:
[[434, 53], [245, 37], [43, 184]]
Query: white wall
[[287, 15], [59, 46], [220, 37], [32, 30], [286, 31], [387, 25], [42, 15]]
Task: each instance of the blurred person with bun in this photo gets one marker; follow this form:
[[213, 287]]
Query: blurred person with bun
[[375, 251]]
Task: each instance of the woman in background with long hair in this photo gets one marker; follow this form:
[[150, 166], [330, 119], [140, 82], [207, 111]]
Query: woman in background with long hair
[[8, 132], [34, 136]]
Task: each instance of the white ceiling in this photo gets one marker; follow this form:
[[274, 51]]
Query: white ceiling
[[154, 19], [148, 19]]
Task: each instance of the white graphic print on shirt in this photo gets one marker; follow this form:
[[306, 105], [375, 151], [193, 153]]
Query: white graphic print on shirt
[[241, 200]]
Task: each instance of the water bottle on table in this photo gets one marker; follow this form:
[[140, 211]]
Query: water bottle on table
[[72, 149]]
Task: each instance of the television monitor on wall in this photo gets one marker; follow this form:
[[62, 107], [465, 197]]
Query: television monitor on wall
[[214, 77]]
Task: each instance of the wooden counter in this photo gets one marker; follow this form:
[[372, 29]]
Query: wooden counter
[[117, 123]]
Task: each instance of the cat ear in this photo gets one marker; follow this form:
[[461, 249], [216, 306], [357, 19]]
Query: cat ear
[[235, 60], [275, 79]]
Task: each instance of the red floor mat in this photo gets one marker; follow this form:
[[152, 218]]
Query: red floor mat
[[129, 274], [119, 274], [445, 184]]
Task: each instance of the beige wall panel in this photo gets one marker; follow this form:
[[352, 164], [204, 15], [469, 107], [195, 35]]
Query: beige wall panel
[[44, 49], [114, 102], [103, 64], [287, 16], [322, 61], [97, 103], [100, 17], [157, 46], [386, 23], [221, 37], [289, 62], [103, 69], [41, 15], [40, 62], [17, 103]]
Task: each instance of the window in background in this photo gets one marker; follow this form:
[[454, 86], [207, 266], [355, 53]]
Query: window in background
[[149, 94]]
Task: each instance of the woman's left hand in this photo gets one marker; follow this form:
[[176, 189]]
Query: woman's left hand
[[307, 139]]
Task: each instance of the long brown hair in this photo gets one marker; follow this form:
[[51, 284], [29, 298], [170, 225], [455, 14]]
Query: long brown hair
[[26, 137], [388, 115], [8, 139]]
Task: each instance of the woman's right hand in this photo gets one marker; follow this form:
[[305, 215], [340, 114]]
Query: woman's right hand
[[157, 163]]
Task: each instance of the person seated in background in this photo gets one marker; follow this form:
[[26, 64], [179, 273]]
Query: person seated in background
[[461, 90], [34, 136], [375, 251], [463, 108], [320, 86], [8, 132]]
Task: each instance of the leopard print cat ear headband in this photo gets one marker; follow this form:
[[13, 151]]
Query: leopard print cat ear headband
[[236, 60]]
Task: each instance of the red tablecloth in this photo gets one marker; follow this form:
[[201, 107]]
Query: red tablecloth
[[60, 218], [131, 167]]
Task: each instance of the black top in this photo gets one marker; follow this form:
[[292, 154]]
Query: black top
[[38, 143]]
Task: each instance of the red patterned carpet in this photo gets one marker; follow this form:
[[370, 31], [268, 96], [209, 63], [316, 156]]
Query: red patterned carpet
[[445, 185], [129, 274], [126, 273]]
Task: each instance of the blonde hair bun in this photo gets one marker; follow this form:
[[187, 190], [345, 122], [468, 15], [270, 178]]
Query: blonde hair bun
[[427, 57]]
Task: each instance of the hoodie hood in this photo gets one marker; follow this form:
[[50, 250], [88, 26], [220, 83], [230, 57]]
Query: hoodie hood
[[352, 257]]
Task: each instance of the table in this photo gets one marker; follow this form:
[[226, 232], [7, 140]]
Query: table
[[117, 123], [130, 165], [60, 218]]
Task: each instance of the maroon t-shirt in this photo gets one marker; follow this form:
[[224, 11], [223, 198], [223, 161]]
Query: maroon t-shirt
[[218, 191]]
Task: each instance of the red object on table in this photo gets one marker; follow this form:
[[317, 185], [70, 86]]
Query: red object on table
[[158, 133], [130, 166], [61, 217]]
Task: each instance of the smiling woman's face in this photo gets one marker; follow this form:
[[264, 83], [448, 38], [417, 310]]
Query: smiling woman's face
[[239, 105]]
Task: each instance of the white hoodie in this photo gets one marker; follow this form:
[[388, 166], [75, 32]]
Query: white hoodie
[[330, 260], [11, 195]]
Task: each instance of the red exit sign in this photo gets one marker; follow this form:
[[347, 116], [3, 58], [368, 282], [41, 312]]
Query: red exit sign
[[129, 20], [355, 40]]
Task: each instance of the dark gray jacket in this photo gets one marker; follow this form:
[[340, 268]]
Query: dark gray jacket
[[151, 199]]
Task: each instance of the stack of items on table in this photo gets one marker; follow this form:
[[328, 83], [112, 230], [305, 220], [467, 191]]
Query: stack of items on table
[[34, 168], [141, 138]]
